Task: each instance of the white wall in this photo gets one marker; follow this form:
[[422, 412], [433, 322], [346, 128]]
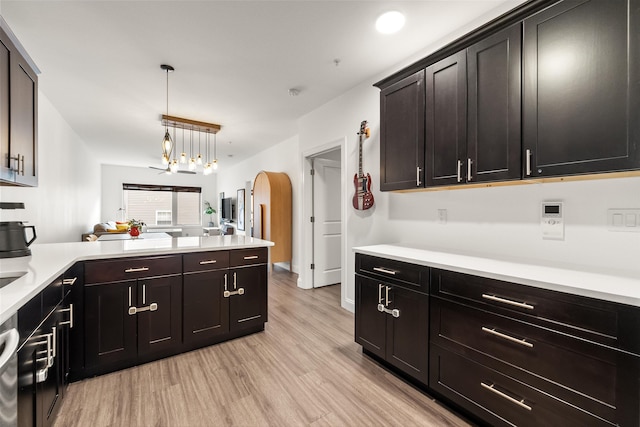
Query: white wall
[[66, 202], [283, 157], [114, 176]]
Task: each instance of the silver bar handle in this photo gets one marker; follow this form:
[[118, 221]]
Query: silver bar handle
[[251, 257], [384, 270], [469, 163], [459, 170], [395, 312], [225, 281], [22, 169], [520, 402], [135, 310], [54, 331], [522, 341], [70, 321], [144, 294], [418, 170], [211, 261], [380, 286], [129, 296], [69, 282], [235, 284], [528, 162], [508, 301], [227, 294], [136, 270], [386, 298]]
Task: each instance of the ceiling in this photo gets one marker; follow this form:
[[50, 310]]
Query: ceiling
[[234, 63]]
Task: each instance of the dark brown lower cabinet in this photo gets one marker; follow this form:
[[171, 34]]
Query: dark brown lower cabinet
[[393, 323], [206, 312], [41, 360], [247, 295], [132, 320]]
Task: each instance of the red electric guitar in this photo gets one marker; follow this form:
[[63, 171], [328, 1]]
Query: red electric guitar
[[363, 199]]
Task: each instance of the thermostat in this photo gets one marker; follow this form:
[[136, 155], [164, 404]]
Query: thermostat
[[552, 221]]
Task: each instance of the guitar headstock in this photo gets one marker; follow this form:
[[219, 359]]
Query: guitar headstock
[[364, 129]]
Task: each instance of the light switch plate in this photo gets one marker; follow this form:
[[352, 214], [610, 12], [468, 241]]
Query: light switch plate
[[623, 220]]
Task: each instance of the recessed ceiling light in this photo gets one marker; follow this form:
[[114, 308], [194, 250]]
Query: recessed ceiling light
[[390, 22]]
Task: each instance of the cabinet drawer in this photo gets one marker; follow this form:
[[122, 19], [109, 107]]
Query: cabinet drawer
[[410, 276], [497, 398], [251, 256], [559, 363], [600, 321], [203, 261], [131, 268]]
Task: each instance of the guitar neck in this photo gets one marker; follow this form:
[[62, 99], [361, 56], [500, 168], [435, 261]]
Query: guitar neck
[[360, 174]]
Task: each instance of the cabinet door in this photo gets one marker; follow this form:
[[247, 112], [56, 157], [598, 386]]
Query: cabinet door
[[494, 92], [6, 173], [160, 330], [24, 121], [371, 324], [110, 332], [248, 297], [582, 88], [402, 134], [446, 120], [28, 367], [407, 346], [206, 311]]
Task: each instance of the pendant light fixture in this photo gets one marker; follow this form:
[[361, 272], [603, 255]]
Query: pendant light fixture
[[167, 143], [215, 154]]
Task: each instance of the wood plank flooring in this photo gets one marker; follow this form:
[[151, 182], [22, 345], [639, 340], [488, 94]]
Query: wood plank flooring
[[303, 370]]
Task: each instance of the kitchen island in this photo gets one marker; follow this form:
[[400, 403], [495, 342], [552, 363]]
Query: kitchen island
[[50, 260], [86, 309]]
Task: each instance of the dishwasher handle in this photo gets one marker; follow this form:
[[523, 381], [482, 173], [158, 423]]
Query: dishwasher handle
[[10, 340]]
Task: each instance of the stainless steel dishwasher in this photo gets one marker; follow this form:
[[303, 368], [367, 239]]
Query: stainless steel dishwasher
[[9, 339]]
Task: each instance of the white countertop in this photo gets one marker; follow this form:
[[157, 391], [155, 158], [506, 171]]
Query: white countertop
[[48, 261], [616, 286]]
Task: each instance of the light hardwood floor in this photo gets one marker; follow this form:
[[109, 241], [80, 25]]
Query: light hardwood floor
[[304, 369]]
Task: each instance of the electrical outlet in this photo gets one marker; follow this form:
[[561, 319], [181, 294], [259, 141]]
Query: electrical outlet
[[623, 220], [442, 216]]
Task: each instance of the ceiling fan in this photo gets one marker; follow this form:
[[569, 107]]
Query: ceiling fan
[[168, 171]]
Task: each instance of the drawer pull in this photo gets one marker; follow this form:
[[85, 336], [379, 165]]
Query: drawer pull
[[508, 301], [251, 257], [69, 282], [211, 261], [136, 270], [508, 337], [227, 294], [520, 402], [395, 312], [380, 286], [70, 321], [384, 270]]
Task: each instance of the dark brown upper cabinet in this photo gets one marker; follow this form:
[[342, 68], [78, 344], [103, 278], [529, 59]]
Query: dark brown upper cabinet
[[582, 88], [446, 120], [494, 142], [18, 114], [402, 134], [473, 113]]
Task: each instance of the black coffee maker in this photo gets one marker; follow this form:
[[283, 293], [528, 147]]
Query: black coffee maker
[[13, 235]]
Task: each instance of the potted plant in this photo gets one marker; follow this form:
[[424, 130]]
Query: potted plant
[[135, 227], [209, 211]]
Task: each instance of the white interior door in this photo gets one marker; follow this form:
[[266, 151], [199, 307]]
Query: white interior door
[[327, 226]]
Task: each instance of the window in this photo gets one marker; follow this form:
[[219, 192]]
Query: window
[[163, 204]]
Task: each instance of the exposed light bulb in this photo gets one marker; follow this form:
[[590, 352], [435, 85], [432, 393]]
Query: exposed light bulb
[[165, 159], [207, 169], [199, 159], [192, 164], [173, 167], [183, 158], [215, 164]]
